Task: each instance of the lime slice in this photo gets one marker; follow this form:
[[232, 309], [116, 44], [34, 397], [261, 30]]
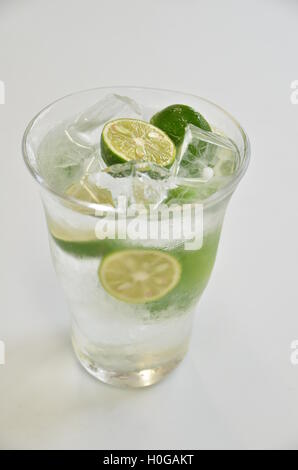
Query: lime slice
[[85, 191], [174, 119], [139, 276], [125, 140], [66, 230]]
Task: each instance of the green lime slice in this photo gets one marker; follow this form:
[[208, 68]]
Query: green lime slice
[[125, 140], [174, 119], [66, 233], [85, 191], [139, 276], [64, 230]]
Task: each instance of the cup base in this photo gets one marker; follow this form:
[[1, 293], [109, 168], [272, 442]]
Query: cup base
[[129, 379]]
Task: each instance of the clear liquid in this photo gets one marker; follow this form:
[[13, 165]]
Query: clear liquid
[[119, 342]]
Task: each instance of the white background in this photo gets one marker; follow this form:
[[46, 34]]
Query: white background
[[237, 387]]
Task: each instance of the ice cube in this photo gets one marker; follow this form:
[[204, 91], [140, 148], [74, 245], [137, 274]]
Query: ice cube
[[154, 171], [66, 151], [92, 164], [151, 184], [139, 183], [60, 161], [204, 155], [86, 129]]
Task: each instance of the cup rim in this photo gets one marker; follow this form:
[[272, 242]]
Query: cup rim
[[211, 200]]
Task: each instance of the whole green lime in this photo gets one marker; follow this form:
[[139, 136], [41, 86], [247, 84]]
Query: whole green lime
[[174, 119]]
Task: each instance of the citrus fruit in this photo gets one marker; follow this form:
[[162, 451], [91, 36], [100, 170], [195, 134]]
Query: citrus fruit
[[139, 276], [174, 119], [124, 140], [85, 191]]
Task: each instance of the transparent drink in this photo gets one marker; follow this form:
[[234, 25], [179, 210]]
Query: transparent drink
[[132, 299]]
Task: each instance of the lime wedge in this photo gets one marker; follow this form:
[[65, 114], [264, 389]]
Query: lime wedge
[[88, 192], [124, 140], [139, 276], [174, 119], [64, 232], [73, 231]]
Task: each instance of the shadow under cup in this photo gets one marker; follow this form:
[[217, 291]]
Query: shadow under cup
[[122, 343]]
